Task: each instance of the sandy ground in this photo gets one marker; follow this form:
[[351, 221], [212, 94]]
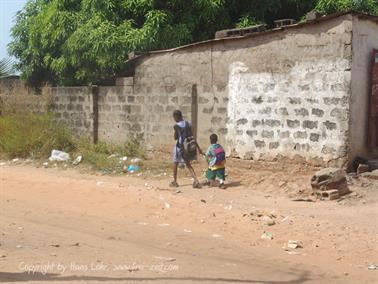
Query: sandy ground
[[63, 226]]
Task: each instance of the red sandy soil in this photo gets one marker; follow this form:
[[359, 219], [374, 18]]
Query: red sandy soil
[[63, 226]]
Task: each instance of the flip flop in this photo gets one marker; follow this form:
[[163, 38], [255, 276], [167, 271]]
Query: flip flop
[[173, 184], [196, 184]]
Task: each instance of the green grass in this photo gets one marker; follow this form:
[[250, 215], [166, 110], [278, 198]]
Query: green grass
[[31, 135], [25, 135]]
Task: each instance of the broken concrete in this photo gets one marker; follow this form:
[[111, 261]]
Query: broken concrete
[[330, 183]]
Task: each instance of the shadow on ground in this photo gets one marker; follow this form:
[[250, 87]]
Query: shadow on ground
[[52, 277]]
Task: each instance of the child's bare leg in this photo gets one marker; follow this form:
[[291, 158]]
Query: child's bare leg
[[175, 166], [191, 170]]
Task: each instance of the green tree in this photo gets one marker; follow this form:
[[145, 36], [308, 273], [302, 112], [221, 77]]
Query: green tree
[[77, 42], [333, 6]]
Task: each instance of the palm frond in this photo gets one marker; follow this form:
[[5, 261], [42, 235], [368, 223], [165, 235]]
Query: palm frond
[[5, 67]]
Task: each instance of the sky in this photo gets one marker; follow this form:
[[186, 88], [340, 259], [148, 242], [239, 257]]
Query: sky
[[8, 10]]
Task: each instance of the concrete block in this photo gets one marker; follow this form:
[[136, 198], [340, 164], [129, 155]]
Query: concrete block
[[125, 81]]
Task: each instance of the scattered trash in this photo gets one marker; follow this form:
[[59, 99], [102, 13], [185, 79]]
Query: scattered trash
[[178, 191], [292, 252], [167, 205], [75, 244], [187, 231], [132, 168], [3, 164], [112, 156], [45, 164], [19, 246], [124, 158], [136, 161], [216, 236], [286, 219], [77, 160], [165, 258], [57, 155], [203, 200], [294, 244], [163, 225], [99, 183], [202, 221], [373, 267], [20, 228], [15, 160], [267, 236], [228, 207], [268, 221]]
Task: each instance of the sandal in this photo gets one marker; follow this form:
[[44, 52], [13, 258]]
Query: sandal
[[206, 183], [173, 184], [196, 184], [222, 186]]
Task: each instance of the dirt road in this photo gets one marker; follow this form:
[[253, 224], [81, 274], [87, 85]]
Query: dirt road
[[66, 227]]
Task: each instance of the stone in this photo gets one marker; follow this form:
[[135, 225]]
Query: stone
[[267, 134], [241, 121], [362, 168], [259, 144], [330, 125], [256, 123], [293, 123], [329, 179], [294, 244], [295, 101], [274, 145], [268, 221], [314, 137], [267, 236], [284, 134], [301, 112], [310, 124], [317, 112], [300, 135], [251, 133]]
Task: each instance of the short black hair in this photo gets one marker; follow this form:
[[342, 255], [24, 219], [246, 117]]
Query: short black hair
[[177, 113], [213, 138]]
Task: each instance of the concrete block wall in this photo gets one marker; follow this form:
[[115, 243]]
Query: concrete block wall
[[283, 94], [120, 113], [286, 93], [73, 106]]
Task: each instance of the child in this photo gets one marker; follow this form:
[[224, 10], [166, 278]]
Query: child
[[216, 158], [181, 154]]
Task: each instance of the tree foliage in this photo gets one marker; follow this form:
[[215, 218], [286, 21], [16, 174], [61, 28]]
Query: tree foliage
[[71, 42]]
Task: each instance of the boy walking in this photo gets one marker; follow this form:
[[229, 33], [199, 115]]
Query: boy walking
[[185, 148], [216, 158]]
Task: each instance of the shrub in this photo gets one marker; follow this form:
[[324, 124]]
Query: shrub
[[26, 134], [103, 156]]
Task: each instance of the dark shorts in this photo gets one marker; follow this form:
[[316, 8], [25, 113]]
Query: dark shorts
[[219, 173]]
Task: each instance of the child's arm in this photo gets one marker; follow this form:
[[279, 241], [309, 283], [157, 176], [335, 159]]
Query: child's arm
[[199, 149]]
